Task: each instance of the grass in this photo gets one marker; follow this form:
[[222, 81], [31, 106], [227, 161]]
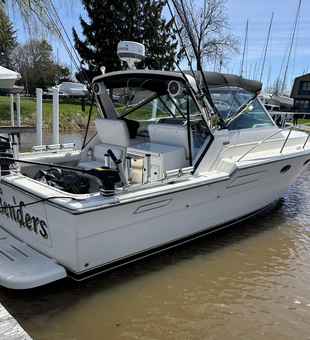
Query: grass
[[71, 115], [303, 121]]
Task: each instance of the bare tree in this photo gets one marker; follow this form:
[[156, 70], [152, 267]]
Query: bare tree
[[275, 89], [205, 30], [38, 16], [34, 60]]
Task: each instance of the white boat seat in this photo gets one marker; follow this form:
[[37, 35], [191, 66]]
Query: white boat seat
[[115, 132], [114, 135], [170, 134]]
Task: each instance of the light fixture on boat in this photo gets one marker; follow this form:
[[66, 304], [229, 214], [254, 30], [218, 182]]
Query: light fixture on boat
[[175, 88], [99, 88], [131, 52]]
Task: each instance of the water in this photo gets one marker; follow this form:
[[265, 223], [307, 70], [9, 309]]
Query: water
[[247, 282], [65, 136]]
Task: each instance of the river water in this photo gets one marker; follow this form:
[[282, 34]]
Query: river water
[[251, 281]]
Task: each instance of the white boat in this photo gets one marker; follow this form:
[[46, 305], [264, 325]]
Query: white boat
[[17, 89], [158, 173], [7, 80], [73, 89]]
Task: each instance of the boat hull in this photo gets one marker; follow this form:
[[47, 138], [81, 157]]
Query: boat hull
[[89, 238], [6, 85]]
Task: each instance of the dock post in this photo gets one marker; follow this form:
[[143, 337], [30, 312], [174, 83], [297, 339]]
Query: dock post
[[18, 109], [39, 116], [12, 108], [55, 115]]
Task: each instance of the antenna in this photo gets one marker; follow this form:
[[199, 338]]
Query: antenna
[[131, 52]]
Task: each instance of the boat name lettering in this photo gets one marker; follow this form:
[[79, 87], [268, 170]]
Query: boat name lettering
[[17, 214]]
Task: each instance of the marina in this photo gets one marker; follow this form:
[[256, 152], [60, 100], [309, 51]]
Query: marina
[[181, 212]]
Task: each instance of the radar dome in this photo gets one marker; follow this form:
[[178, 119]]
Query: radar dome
[[130, 52]]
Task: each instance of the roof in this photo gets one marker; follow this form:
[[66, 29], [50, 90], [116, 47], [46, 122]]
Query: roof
[[306, 76], [215, 79], [156, 81], [160, 79]]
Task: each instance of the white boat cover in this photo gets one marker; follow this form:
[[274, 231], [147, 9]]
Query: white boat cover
[[8, 74], [22, 267], [73, 89]]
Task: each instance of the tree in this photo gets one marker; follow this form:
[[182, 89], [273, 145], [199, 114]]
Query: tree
[[275, 89], [8, 40], [39, 16], [34, 60], [112, 21], [62, 74], [206, 30]]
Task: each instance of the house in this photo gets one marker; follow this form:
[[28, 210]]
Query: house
[[301, 93]]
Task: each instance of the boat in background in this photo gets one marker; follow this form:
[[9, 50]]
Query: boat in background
[[279, 108], [170, 163], [7, 80], [17, 89], [76, 90]]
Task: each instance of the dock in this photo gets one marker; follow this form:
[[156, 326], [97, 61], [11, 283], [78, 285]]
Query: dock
[[10, 328], [17, 129]]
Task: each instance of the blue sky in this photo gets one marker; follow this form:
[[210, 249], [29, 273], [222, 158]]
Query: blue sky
[[258, 13]]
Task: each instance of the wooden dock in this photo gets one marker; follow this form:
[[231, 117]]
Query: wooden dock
[[10, 328]]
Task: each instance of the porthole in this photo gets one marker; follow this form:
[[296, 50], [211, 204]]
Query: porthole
[[307, 162], [286, 168]]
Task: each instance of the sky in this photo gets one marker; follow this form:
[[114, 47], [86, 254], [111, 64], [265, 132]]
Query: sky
[[258, 15]]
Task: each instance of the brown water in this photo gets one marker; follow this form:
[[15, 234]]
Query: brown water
[[247, 282]]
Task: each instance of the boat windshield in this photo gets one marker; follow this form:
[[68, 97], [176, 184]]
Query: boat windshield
[[146, 106], [236, 108]]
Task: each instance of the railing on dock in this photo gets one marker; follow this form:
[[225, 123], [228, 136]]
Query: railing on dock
[[38, 128]]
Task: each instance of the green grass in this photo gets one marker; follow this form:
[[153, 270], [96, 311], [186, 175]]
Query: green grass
[[71, 115], [304, 121]]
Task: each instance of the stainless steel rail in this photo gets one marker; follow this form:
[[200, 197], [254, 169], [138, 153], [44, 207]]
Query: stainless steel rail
[[286, 139]]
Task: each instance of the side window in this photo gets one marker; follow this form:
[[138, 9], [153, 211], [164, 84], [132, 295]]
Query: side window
[[253, 117]]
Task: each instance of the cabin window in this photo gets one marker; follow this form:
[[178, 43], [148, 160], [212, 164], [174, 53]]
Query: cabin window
[[238, 111], [252, 117]]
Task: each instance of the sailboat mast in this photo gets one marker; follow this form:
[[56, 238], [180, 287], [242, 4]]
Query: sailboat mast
[[289, 56], [266, 47], [244, 48]]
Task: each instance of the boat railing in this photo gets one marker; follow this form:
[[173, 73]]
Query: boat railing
[[290, 128]]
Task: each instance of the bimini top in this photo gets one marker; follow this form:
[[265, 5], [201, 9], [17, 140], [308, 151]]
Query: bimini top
[[215, 79], [156, 81]]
